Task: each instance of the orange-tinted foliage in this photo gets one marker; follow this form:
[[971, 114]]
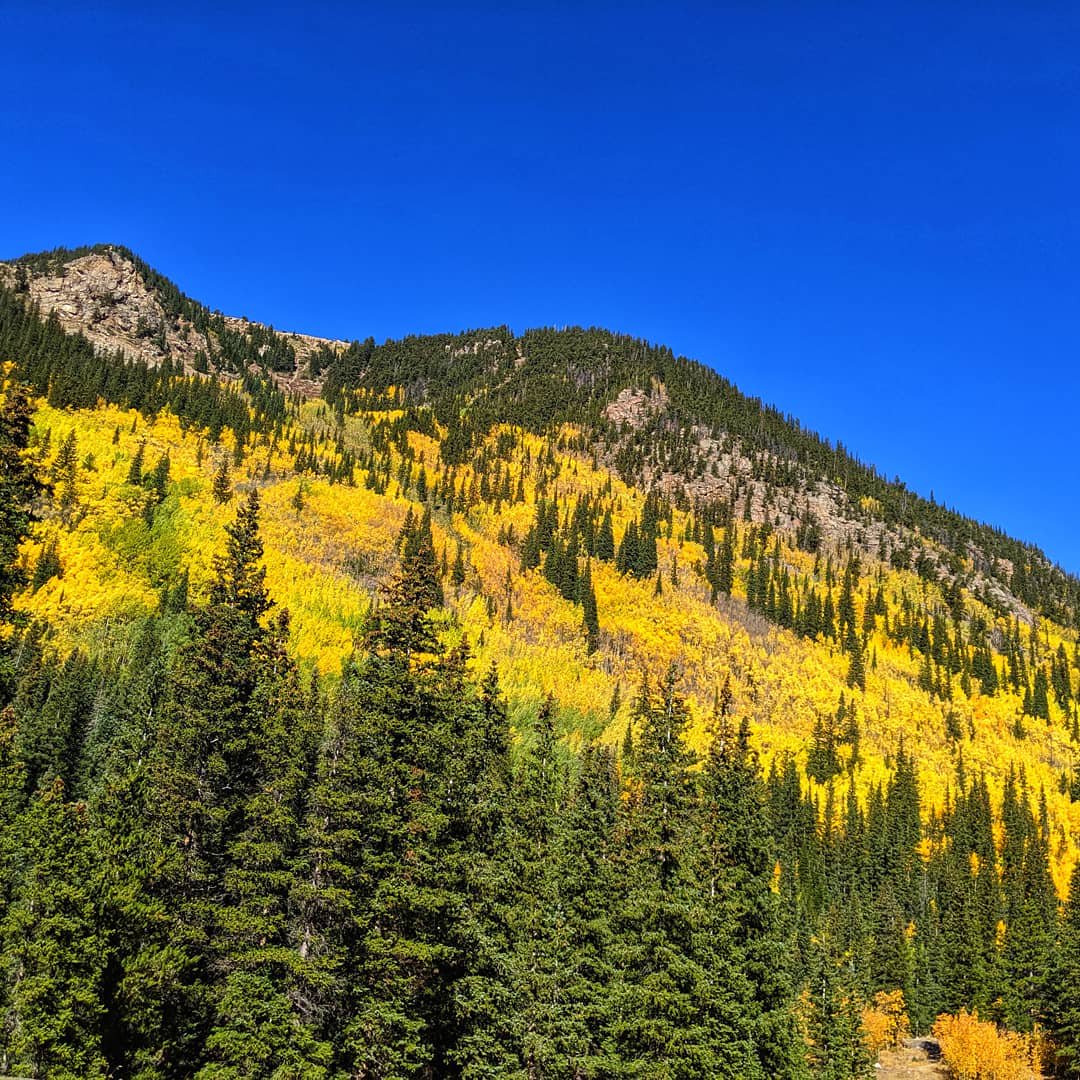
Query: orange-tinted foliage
[[975, 1049]]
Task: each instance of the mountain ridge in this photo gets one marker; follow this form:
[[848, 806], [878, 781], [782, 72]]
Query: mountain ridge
[[114, 298]]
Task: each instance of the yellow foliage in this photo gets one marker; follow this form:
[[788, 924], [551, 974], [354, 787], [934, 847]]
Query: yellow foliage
[[325, 561], [885, 1022], [975, 1049]]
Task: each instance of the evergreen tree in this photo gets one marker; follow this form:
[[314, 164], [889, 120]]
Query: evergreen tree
[[740, 859], [48, 564], [725, 564], [135, 471], [54, 956], [605, 539], [834, 1025], [656, 1016], [222, 488], [590, 617], [457, 575], [856, 677], [64, 472], [227, 772], [401, 622], [19, 487], [1065, 1008]]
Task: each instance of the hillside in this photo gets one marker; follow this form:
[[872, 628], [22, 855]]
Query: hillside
[[599, 511]]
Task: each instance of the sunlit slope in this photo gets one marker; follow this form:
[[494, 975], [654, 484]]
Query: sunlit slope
[[327, 546]]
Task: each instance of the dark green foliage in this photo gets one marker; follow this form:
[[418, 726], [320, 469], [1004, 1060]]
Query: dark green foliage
[[135, 471], [53, 949], [739, 859], [222, 487], [240, 584], [368, 884], [19, 487], [836, 1051], [400, 623], [48, 564], [1065, 1006]]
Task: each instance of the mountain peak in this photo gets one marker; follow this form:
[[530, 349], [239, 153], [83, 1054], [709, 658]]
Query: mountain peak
[[121, 304]]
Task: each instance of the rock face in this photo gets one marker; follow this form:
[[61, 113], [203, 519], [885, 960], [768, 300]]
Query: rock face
[[104, 296]]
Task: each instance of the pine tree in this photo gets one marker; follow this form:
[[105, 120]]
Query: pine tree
[[457, 575], [605, 539], [229, 745], [590, 617], [550, 1027], [240, 584], [655, 1018], [739, 864], [367, 911], [1040, 698], [401, 622], [258, 1034], [627, 559], [297, 501], [1065, 1009], [1028, 947], [834, 1027], [135, 470], [725, 564], [856, 677], [588, 893], [53, 950], [222, 488], [19, 487], [482, 1037], [253, 936], [64, 473], [48, 564], [151, 994]]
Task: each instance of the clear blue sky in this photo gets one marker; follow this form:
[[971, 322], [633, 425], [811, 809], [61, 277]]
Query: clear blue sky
[[867, 216]]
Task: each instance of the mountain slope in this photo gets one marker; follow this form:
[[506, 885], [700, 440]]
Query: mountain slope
[[627, 539], [608, 419]]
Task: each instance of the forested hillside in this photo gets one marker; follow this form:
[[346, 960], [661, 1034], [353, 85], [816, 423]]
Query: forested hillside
[[502, 705]]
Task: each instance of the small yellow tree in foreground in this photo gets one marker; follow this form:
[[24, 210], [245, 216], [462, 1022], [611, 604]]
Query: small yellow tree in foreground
[[975, 1049], [885, 1021]]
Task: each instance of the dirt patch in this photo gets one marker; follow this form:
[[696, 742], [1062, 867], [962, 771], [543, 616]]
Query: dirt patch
[[916, 1061]]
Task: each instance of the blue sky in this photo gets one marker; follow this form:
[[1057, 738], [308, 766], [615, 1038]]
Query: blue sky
[[864, 214]]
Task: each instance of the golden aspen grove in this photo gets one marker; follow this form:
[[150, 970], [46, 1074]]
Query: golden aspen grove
[[612, 534]]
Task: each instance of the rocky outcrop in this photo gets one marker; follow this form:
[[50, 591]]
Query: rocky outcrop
[[104, 296]]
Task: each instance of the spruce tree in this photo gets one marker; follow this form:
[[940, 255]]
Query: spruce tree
[[1065, 1007], [54, 954], [605, 539], [19, 487], [655, 1013], [222, 488], [64, 473], [589, 613], [135, 470], [833, 1016], [550, 1028], [739, 854]]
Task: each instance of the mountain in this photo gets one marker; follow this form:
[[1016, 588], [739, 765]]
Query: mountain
[[636, 548]]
